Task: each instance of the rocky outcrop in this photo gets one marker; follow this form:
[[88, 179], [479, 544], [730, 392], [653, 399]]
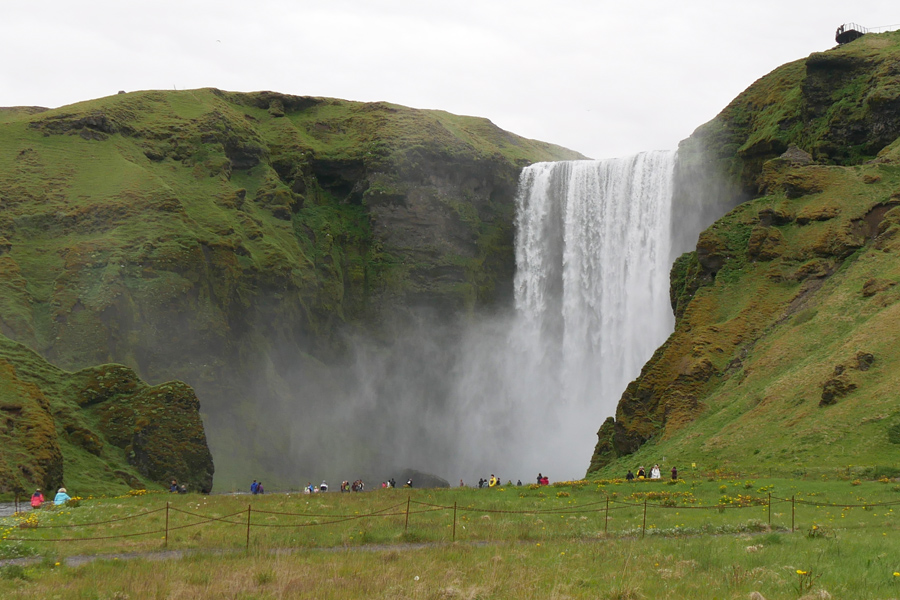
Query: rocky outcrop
[[120, 432], [799, 274]]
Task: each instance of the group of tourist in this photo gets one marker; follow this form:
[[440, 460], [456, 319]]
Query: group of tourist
[[346, 486], [177, 489], [37, 498], [654, 474], [357, 486], [494, 481]]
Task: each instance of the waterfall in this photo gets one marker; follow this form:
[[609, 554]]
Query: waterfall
[[592, 281], [513, 393]]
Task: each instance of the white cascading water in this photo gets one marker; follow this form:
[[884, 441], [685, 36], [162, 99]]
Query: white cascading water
[[592, 283]]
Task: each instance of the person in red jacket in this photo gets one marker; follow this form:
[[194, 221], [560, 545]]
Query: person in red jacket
[[37, 498]]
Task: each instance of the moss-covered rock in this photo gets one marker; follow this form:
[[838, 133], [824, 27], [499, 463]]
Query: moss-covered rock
[[98, 430]]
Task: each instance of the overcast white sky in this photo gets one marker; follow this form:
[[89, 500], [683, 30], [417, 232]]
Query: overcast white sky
[[604, 78]]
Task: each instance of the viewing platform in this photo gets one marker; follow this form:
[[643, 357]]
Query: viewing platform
[[849, 32]]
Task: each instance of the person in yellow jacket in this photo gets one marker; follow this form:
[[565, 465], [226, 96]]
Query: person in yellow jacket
[[493, 482]]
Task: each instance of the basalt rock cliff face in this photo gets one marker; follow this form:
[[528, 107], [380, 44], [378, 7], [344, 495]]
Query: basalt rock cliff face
[[784, 350], [238, 242], [98, 430]]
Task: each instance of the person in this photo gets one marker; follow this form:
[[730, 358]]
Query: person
[[493, 481], [461, 484], [545, 480], [254, 487], [641, 474], [323, 487], [37, 498], [409, 483], [308, 489], [674, 473], [540, 478], [629, 476], [654, 472], [519, 483], [174, 487], [61, 497], [182, 489], [259, 488]]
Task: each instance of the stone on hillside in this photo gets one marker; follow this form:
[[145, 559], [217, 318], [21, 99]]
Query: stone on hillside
[[796, 156], [766, 243], [836, 388], [874, 286], [815, 268], [837, 241], [712, 252], [817, 213], [802, 184], [775, 216], [864, 360], [276, 107]]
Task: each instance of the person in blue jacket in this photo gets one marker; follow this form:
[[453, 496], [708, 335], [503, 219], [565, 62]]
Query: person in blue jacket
[[254, 487], [61, 497]]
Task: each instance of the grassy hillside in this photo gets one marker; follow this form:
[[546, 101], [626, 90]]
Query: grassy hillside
[[235, 241], [99, 430], [784, 351]]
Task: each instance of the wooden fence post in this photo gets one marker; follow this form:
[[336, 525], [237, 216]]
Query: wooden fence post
[[454, 521], [166, 543], [792, 514], [606, 519], [248, 527], [406, 527], [644, 527]]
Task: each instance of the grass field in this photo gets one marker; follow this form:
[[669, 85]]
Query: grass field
[[709, 537]]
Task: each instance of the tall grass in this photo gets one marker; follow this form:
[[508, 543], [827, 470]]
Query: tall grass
[[514, 542]]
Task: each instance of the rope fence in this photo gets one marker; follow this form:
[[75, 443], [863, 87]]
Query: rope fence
[[411, 508]]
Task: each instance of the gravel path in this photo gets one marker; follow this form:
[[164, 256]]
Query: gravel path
[[77, 561], [7, 509]]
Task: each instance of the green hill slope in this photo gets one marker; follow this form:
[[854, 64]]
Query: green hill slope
[[233, 241], [784, 352], [99, 430]]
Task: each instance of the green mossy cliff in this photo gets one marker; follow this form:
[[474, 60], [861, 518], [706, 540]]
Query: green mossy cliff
[[784, 350], [233, 240], [98, 430]]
